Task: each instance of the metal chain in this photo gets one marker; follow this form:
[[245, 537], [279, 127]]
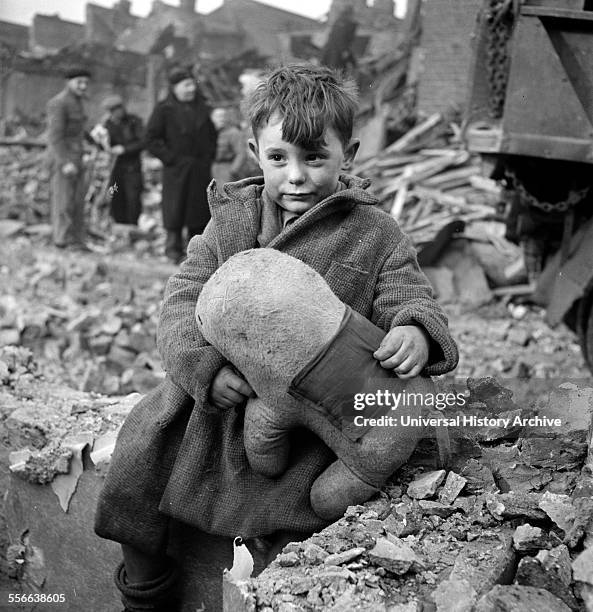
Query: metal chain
[[574, 196], [500, 18]]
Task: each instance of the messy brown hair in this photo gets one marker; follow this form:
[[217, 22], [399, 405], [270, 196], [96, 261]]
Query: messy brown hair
[[309, 99]]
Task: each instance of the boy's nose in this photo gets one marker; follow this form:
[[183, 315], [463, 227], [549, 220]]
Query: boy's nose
[[296, 173]]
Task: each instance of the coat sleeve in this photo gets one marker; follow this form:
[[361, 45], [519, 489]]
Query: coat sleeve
[[155, 137], [56, 130], [188, 359], [404, 296]]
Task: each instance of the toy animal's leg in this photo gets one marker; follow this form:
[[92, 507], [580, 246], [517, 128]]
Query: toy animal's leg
[[339, 487], [266, 441], [336, 489]]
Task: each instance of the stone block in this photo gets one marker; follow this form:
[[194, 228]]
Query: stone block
[[452, 488], [516, 505], [486, 561], [491, 393], [582, 567], [516, 598], [454, 596], [426, 485], [479, 478], [529, 539], [532, 572], [560, 509], [394, 555]]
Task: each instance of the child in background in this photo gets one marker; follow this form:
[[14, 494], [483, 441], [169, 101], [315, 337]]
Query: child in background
[[230, 163]]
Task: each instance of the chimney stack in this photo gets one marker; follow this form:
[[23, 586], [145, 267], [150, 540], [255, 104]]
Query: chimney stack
[[188, 6]]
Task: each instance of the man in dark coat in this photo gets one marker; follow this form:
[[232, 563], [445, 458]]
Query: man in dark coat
[[127, 141], [66, 120], [181, 134]]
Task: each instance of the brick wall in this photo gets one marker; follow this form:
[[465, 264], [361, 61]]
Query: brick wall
[[50, 33], [447, 29]]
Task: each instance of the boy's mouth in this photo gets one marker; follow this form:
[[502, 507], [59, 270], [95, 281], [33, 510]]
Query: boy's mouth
[[298, 196]]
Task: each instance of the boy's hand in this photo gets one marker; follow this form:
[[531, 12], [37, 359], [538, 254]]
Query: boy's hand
[[228, 389], [404, 350]]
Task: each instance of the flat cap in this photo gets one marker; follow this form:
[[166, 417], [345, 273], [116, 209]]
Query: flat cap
[[77, 71], [178, 74]]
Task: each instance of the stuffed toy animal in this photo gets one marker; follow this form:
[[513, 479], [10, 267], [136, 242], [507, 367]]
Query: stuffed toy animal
[[308, 356]]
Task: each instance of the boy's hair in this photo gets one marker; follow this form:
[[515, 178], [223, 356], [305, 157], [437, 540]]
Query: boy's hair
[[309, 99]]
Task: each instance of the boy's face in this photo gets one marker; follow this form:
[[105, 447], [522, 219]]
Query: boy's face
[[296, 178]]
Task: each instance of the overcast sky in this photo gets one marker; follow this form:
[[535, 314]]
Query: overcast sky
[[22, 11]]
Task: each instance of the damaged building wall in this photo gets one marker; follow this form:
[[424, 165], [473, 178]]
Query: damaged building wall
[[31, 82], [29, 92], [446, 43], [50, 33]]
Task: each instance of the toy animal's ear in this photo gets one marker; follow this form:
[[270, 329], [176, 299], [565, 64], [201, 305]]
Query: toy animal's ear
[[350, 153], [254, 150]]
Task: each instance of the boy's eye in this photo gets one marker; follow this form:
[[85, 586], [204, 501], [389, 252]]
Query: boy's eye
[[314, 157], [276, 157]]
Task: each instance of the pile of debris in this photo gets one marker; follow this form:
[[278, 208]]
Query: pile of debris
[[92, 322], [508, 525], [426, 179], [505, 524], [24, 184]]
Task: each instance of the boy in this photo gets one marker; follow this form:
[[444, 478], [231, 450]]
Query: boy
[[180, 454]]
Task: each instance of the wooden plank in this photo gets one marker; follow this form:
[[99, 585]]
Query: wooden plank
[[29, 142], [414, 133], [541, 11]]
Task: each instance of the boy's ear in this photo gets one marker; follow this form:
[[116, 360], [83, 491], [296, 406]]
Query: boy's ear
[[254, 150], [350, 153]]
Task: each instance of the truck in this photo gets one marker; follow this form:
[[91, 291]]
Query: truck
[[530, 115]]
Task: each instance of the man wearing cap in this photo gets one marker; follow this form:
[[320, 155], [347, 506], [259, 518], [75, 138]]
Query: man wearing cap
[[66, 119], [181, 134], [126, 139]]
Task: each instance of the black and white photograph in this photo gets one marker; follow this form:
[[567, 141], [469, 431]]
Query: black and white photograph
[[296, 306]]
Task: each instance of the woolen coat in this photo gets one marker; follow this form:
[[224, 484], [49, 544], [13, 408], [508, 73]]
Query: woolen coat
[[177, 456], [126, 176], [183, 137]]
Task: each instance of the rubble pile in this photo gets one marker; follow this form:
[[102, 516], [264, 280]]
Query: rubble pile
[[513, 341], [425, 179], [505, 524], [41, 420], [508, 525], [90, 322], [24, 184]]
